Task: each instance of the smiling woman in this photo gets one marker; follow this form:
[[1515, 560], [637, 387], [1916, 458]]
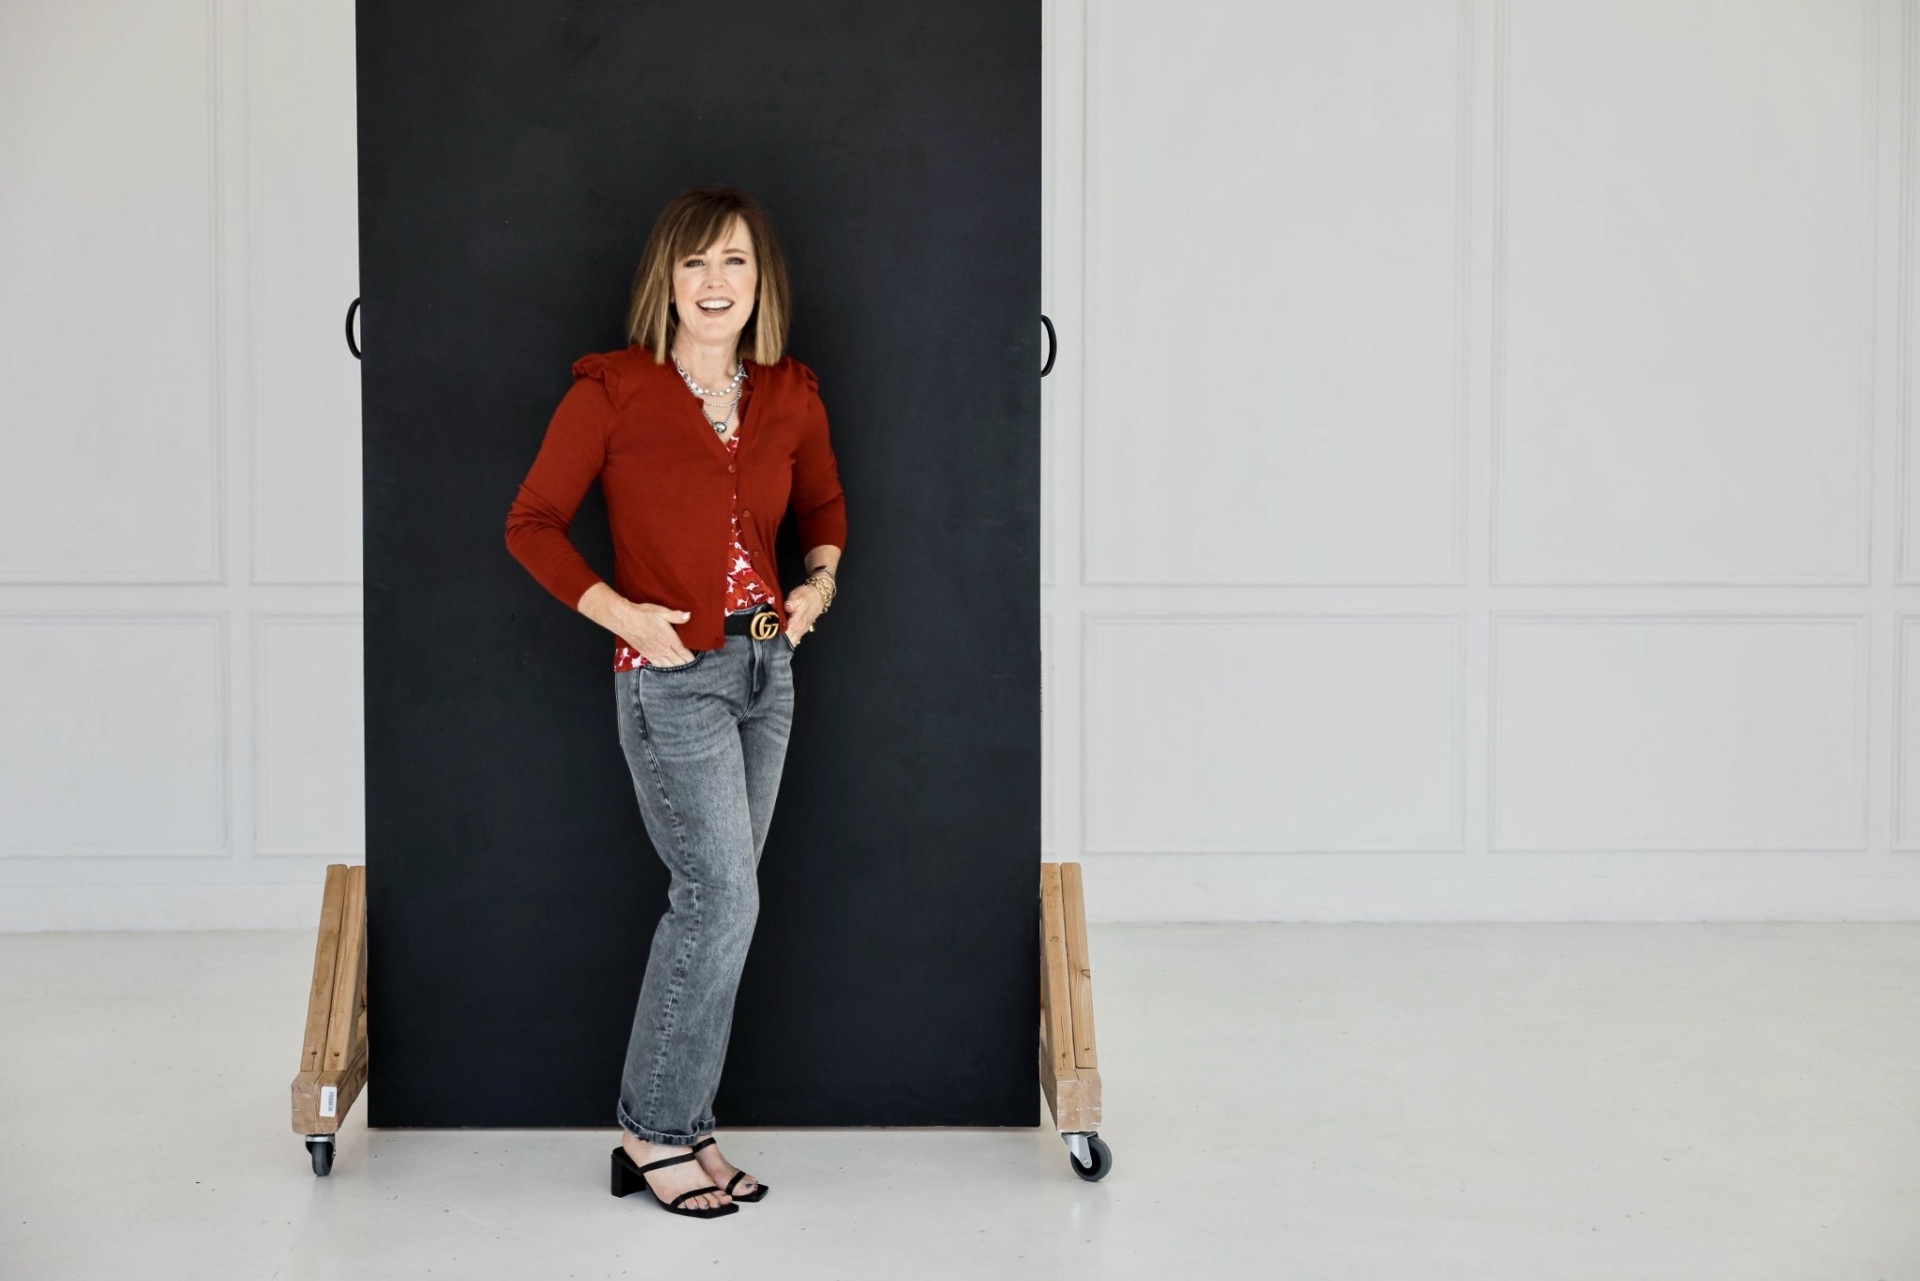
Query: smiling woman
[[678, 270], [703, 675]]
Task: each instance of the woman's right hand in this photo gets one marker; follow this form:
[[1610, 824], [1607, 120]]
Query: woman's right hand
[[649, 629], [646, 627]]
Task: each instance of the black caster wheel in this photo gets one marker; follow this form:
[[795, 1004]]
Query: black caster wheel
[[1099, 1159], [320, 1148]]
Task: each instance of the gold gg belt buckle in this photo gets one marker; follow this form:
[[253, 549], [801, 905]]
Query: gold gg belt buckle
[[764, 625]]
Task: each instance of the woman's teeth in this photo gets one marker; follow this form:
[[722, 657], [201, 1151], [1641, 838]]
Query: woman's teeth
[[715, 306]]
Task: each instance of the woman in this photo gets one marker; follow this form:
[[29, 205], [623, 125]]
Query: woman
[[699, 459]]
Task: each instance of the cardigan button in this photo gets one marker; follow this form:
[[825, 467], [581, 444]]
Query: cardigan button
[[746, 515], [731, 467]]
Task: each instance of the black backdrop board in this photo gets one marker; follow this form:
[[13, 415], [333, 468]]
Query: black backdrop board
[[512, 159]]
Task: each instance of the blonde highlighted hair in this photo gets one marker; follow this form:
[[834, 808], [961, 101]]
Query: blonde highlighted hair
[[693, 220]]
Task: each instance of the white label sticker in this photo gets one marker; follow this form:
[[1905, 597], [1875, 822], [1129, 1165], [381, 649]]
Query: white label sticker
[[329, 1099]]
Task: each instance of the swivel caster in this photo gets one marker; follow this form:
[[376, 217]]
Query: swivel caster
[[320, 1148], [1087, 1152]]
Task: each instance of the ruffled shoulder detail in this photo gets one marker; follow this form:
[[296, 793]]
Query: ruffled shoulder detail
[[615, 369], [807, 376]]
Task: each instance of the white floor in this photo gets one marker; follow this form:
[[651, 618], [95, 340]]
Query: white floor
[[1299, 1101]]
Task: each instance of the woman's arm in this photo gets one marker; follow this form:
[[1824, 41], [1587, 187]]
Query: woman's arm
[[571, 456], [820, 512], [819, 506]]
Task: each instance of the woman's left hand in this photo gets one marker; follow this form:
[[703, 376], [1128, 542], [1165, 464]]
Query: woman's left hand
[[803, 606]]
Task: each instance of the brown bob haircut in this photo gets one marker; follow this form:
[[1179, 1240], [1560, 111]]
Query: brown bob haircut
[[692, 221]]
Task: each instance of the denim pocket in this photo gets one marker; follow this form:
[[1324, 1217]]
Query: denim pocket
[[698, 654]]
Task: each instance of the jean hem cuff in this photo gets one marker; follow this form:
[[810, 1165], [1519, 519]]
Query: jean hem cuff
[[651, 1135]]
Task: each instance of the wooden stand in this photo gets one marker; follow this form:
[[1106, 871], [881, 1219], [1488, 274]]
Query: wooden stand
[[333, 1061], [1069, 1063]]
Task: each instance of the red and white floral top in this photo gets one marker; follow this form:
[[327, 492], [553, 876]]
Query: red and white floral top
[[745, 589]]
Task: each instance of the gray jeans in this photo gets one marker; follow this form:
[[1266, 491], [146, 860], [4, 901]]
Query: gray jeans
[[705, 742]]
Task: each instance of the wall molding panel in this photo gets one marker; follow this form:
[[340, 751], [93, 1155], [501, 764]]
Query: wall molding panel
[[117, 739], [1183, 754], [309, 792], [1615, 735], [1904, 797], [1286, 430], [1659, 507], [1908, 136], [115, 314]]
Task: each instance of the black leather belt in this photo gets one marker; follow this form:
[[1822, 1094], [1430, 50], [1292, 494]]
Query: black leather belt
[[761, 624]]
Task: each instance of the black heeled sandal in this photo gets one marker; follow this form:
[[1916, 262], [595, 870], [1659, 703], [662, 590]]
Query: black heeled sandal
[[759, 1188], [629, 1178]]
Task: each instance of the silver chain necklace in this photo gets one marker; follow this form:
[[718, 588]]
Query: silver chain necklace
[[720, 428], [739, 376]]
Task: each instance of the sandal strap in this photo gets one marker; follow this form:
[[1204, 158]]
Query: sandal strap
[[704, 1143], [692, 1192], [737, 1176], [654, 1165]]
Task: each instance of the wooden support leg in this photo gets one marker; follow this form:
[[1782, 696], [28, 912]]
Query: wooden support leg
[[333, 1057], [1069, 1066]]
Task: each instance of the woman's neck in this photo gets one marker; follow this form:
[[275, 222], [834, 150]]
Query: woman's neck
[[707, 364]]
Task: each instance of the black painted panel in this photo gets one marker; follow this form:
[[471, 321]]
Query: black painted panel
[[512, 159]]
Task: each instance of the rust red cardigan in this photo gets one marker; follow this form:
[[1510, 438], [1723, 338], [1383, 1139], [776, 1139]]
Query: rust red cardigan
[[671, 485]]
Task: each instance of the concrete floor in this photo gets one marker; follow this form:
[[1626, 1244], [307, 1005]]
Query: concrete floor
[[1299, 1101]]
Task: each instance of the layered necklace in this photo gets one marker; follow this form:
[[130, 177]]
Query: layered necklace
[[732, 388]]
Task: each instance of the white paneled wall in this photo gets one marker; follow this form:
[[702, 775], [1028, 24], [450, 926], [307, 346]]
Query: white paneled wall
[[1478, 469], [180, 714], [1478, 465]]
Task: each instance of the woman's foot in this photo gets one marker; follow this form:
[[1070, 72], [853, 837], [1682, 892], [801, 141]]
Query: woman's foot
[[719, 1171], [672, 1180]]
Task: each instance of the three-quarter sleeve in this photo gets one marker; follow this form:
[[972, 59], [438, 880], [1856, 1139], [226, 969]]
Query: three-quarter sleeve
[[571, 457], [819, 506]]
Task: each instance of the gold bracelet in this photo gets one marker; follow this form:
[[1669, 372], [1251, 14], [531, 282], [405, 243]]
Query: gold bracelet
[[827, 593]]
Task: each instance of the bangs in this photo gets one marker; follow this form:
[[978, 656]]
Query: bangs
[[701, 225]]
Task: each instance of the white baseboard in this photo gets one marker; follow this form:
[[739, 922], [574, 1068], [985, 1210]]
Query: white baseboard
[[1116, 894]]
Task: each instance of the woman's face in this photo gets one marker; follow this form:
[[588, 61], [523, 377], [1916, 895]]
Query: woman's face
[[724, 277]]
